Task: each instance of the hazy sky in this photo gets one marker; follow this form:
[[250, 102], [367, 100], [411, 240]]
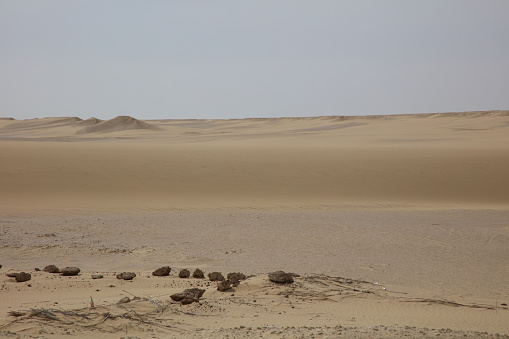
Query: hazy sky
[[235, 59]]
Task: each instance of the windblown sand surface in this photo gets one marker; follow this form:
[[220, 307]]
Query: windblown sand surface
[[397, 225]]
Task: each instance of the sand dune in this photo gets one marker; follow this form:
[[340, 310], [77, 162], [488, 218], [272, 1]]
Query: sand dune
[[439, 160], [416, 204], [41, 123], [120, 123]]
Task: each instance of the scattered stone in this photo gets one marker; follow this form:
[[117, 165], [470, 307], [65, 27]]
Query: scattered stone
[[0, 266], [124, 300], [70, 271], [12, 274], [126, 275], [162, 271], [51, 269], [236, 277], [189, 296], [198, 274], [23, 276], [280, 277], [224, 285], [215, 276], [97, 276], [37, 269], [184, 273]]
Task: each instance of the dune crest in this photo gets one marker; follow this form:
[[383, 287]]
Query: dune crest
[[42, 123], [90, 122], [120, 123]]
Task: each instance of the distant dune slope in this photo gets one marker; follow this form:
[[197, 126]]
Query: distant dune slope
[[120, 123], [41, 123], [414, 160]]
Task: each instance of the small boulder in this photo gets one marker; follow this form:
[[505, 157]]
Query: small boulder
[[184, 273], [198, 274], [281, 277], [162, 271], [215, 276], [236, 277], [97, 276], [189, 296], [224, 285], [51, 269], [70, 271], [126, 275], [23, 276], [12, 274]]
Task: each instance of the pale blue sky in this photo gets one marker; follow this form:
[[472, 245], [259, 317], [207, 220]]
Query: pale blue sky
[[234, 59]]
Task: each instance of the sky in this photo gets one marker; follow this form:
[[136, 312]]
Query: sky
[[164, 59]]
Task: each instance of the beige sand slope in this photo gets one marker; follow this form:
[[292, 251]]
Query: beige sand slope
[[438, 159], [411, 209]]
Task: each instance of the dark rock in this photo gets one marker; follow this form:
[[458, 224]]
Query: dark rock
[[187, 301], [0, 266], [126, 275], [184, 273], [281, 277], [224, 285], [23, 276], [97, 276], [162, 271], [70, 271], [124, 300], [198, 274], [236, 277], [188, 296], [51, 269], [12, 274], [215, 276], [37, 269]]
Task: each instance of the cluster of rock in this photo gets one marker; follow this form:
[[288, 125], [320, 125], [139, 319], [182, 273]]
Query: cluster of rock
[[188, 296], [68, 271], [24, 276]]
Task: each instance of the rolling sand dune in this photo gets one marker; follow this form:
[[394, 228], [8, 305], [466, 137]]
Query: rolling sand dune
[[435, 160], [416, 204], [121, 123], [24, 125]]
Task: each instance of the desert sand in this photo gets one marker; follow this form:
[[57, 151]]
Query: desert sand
[[395, 225]]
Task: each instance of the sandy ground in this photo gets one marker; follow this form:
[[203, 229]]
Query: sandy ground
[[397, 225]]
